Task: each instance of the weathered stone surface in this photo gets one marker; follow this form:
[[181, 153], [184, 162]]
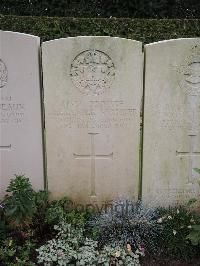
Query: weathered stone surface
[[171, 122], [20, 109], [92, 91]]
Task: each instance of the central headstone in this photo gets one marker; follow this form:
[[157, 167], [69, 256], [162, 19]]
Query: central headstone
[[92, 94]]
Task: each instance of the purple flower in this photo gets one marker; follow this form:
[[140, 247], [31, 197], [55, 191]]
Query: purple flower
[[142, 248]]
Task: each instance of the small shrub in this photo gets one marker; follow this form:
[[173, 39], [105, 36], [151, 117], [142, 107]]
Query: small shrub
[[56, 211], [19, 205], [177, 223]]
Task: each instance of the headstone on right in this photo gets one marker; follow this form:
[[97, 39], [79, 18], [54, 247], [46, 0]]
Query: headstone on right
[[171, 122]]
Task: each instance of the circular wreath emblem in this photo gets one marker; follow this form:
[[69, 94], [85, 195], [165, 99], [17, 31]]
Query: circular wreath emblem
[[92, 72], [189, 72], [192, 74], [3, 74]]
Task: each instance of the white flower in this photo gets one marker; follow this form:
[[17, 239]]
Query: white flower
[[159, 220], [117, 254], [174, 232], [177, 211], [189, 226], [128, 246], [169, 217]]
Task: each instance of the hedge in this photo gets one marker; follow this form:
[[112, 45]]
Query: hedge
[[103, 8], [144, 30]]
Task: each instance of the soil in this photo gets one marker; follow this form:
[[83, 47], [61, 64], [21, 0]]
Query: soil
[[166, 261]]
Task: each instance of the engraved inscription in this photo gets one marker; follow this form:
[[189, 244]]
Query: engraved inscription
[[10, 111], [93, 156], [92, 72], [96, 114], [3, 74], [178, 194], [186, 117]]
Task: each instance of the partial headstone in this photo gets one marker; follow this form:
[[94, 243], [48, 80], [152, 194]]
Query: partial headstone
[[21, 150], [92, 95], [172, 122]]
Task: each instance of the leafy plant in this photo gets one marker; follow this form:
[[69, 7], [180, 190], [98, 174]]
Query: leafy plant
[[194, 235], [56, 211], [177, 223], [11, 253], [19, 205], [118, 255], [41, 200], [71, 247], [3, 225], [68, 247], [197, 170], [61, 209]]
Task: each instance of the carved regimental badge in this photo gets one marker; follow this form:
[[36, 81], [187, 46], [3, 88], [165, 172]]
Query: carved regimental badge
[[92, 72], [3, 74], [190, 73]]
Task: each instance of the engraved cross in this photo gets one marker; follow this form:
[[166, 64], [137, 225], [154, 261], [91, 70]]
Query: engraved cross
[[93, 156], [191, 154], [7, 147]]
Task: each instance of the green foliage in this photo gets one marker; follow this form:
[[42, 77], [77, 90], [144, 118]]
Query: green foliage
[[59, 209], [103, 8], [19, 206], [3, 229], [56, 211], [71, 247], [11, 253], [143, 30], [194, 235], [117, 236], [64, 249], [177, 223], [118, 255], [197, 170], [41, 199]]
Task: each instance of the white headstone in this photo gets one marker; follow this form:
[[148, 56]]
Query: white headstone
[[92, 91], [172, 122], [20, 110]]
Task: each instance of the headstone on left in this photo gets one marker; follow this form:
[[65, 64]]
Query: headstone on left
[[21, 145]]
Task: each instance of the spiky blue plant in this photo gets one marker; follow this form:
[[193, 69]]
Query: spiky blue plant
[[125, 222]]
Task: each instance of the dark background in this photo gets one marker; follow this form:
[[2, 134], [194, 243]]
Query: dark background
[[103, 8]]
